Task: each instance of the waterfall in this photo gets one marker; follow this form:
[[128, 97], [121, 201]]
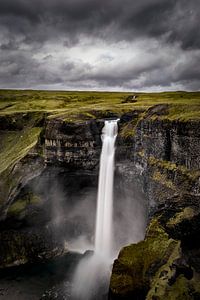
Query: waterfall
[[104, 234], [91, 279]]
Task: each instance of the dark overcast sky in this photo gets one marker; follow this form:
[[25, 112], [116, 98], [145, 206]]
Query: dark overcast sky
[[100, 44]]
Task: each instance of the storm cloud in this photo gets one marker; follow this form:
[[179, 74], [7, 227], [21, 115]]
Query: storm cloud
[[100, 45]]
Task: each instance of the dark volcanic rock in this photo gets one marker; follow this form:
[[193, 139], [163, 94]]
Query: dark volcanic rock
[[163, 161], [77, 146], [174, 141], [19, 247]]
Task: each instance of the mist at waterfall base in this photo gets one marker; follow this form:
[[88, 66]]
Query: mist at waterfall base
[[70, 205], [91, 278]]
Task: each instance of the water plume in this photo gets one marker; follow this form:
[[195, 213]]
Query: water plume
[[92, 275], [104, 220]]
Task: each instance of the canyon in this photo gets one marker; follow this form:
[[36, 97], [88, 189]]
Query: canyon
[[48, 183]]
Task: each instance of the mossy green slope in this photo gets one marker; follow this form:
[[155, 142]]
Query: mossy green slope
[[154, 269], [15, 145], [19, 134], [137, 264]]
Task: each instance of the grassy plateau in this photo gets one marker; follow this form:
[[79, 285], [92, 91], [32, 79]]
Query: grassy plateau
[[72, 106]]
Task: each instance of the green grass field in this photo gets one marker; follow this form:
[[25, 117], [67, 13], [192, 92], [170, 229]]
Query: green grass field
[[73, 106]]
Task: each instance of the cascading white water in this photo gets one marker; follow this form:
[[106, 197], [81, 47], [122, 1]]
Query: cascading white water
[[103, 234], [91, 278]]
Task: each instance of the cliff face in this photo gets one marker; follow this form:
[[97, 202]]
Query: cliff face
[[16, 177], [165, 154], [77, 146], [174, 141], [164, 162]]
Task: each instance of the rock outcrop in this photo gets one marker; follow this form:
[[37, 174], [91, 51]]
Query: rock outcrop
[[76, 146], [156, 268], [138, 264]]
